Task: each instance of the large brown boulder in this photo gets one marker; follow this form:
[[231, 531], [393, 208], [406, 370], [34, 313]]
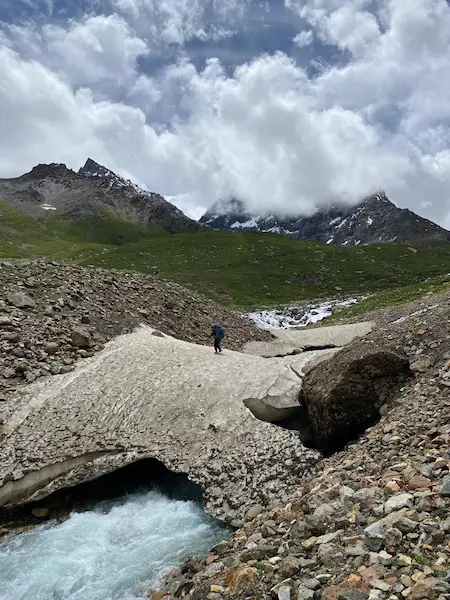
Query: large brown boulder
[[343, 396]]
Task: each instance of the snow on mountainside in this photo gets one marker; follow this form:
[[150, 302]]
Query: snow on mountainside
[[53, 190], [375, 220]]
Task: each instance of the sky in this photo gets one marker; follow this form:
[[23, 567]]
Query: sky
[[285, 104]]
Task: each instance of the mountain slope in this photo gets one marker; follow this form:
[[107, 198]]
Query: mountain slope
[[374, 220], [92, 200]]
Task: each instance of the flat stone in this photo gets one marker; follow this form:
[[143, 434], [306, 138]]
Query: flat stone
[[423, 590], [380, 585], [398, 502], [353, 595], [305, 594], [312, 584], [419, 482], [329, 537], [20, 300]]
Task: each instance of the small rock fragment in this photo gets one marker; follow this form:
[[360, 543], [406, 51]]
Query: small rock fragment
[[445, 487]]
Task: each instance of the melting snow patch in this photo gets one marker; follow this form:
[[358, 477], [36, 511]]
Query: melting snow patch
[[330, 241], [341, 224], [292, 316], [48, 207], [334, 221], [369, 221], [415, 314]]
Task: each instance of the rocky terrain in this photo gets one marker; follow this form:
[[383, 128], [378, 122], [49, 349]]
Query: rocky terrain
[[53, 315], [367, 522], [375, 220], [54, 191], [373, 521]]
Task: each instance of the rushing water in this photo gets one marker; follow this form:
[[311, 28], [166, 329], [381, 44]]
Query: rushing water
[[113, 552]]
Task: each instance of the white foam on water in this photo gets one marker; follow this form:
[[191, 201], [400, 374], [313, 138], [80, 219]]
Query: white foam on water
[[291, 317], [115, 552]]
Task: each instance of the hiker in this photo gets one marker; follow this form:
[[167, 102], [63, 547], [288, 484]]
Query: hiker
[[218, 333]]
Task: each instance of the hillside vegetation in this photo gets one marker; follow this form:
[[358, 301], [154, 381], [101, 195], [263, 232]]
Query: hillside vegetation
[[242, 269]]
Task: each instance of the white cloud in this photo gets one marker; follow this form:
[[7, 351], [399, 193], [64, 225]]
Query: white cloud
[[267, 133], [97, 50], [304, 38], [344, 23], [178, 21]]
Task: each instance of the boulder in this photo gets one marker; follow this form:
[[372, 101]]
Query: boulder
[[81, 337], [343, 396], [51, 347]]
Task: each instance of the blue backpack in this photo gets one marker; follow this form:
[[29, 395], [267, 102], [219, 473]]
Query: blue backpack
[[219, 332]]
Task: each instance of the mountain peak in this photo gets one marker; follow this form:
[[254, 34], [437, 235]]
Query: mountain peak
[[90, 194], [374, 220], [93, 169], [42, 171]]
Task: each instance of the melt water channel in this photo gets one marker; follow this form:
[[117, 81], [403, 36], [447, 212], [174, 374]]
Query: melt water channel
[[109, 548]]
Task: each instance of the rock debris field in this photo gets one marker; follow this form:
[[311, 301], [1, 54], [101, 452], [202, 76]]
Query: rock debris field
[[373, 522]]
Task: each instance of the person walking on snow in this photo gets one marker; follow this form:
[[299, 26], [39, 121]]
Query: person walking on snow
[[218, 333]]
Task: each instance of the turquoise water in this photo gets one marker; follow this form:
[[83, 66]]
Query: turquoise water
[[114, 552]]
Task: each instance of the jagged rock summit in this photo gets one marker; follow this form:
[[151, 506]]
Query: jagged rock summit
[[375, 220], [54, 191]]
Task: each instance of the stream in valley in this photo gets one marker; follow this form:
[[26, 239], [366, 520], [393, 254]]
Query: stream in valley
[[115, 551]]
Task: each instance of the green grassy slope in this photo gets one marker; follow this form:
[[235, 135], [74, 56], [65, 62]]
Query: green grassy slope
[[251, 269], [244, 269], [393, 297]]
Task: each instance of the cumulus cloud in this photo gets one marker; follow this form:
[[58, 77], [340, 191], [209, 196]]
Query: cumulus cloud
[[304, 38], [268, 133], [97, 50]]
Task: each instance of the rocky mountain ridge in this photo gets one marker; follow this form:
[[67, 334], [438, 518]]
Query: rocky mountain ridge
[[53, 190], [375, 220]]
